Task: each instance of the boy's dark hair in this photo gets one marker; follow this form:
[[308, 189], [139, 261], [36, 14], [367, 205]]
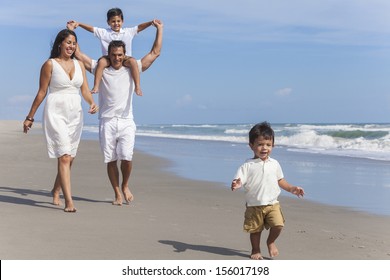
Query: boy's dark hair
[[116, 44], [114, 12], [262, 129]]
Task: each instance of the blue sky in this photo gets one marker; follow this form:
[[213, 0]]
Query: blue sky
[[223, 61]]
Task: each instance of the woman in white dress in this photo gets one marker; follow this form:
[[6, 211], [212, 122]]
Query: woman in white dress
[[62, 77]]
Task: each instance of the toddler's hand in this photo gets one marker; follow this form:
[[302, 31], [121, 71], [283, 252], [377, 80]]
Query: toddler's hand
[[298, 191], [236, 184]]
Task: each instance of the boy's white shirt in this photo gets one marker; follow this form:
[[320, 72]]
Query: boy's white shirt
[[260, 181], [106, 35]]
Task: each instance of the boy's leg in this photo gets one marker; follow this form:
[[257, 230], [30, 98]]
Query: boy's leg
[[274, 233], [102, 63], [131, 62], [255, 242]]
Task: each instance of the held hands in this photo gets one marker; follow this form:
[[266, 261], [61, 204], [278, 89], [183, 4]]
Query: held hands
[[236, 184], [72, 25], [93, 108], [298, 191]]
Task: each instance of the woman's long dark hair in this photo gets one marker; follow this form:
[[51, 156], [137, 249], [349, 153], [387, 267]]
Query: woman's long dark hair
[[61, 36]]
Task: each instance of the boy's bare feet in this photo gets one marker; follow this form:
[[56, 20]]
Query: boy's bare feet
[[256, 256], [273, 250]]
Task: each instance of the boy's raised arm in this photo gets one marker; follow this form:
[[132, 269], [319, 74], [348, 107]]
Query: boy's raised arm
[[72, 25]]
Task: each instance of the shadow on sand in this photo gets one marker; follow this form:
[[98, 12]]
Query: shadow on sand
[[182, 247], [20, 196]]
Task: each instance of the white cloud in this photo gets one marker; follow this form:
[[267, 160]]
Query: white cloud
[[184, 100], [284, 91]]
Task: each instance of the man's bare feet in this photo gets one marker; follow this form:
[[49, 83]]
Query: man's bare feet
[[273, 250], [117, 201], [70, 210], [127, 194], [256, 256]]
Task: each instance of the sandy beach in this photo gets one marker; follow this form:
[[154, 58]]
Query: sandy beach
[[170, 218]]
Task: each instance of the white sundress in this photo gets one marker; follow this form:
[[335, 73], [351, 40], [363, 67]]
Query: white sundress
[[63, 114]]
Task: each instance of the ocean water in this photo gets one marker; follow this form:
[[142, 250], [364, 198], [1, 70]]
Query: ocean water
[[337, 164]]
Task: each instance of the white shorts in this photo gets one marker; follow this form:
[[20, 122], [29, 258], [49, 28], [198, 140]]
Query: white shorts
[[117, 138]]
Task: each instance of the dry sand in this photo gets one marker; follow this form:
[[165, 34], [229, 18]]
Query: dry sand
[[170, 218]]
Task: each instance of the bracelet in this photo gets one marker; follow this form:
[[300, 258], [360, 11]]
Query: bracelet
[[29, 119]]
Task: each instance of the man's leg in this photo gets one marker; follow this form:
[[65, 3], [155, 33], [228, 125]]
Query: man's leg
[[113, 175], [126, 167]]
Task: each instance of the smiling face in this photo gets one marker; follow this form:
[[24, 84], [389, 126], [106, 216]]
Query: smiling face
[[115, 22], [68, 46], [261, 147], [116, 55]]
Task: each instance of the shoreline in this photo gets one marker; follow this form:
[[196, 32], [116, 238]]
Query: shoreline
[[171, 217]]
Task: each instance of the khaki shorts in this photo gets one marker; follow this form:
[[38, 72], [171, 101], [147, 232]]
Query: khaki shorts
[[259, 217]]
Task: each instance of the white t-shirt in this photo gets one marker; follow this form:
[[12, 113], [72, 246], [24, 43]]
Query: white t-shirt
[[106, 35], [116, 93], [260, 181]]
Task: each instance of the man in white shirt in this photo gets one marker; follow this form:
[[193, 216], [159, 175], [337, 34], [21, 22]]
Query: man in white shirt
[[116, 124]]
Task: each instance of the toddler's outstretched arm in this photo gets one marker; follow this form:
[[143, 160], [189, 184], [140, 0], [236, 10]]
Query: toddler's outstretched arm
[[298, 191]]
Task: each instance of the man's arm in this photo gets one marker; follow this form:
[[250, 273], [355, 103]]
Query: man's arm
[[148, 59]]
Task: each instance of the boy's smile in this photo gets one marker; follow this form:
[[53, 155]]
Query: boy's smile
[[261, 147]]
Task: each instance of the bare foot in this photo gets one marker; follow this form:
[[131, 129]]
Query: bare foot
[[127, 194], [117, 202], [273, 250], [256, 256], [70, 210], [56, 198], [118, 199]]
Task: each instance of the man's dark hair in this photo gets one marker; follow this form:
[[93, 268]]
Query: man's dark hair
[[116, 44], [262, 129]]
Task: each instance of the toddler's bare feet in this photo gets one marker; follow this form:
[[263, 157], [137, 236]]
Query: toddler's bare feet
[[256, 256], [273, 250]]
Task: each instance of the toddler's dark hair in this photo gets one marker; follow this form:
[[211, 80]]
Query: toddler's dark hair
[[261, 129]]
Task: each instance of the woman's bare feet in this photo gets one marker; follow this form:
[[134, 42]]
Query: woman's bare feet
[[56, 197]]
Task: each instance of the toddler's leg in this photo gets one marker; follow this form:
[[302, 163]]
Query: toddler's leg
[[102, 63], [274, 233], [131, 62], [255, 242]]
